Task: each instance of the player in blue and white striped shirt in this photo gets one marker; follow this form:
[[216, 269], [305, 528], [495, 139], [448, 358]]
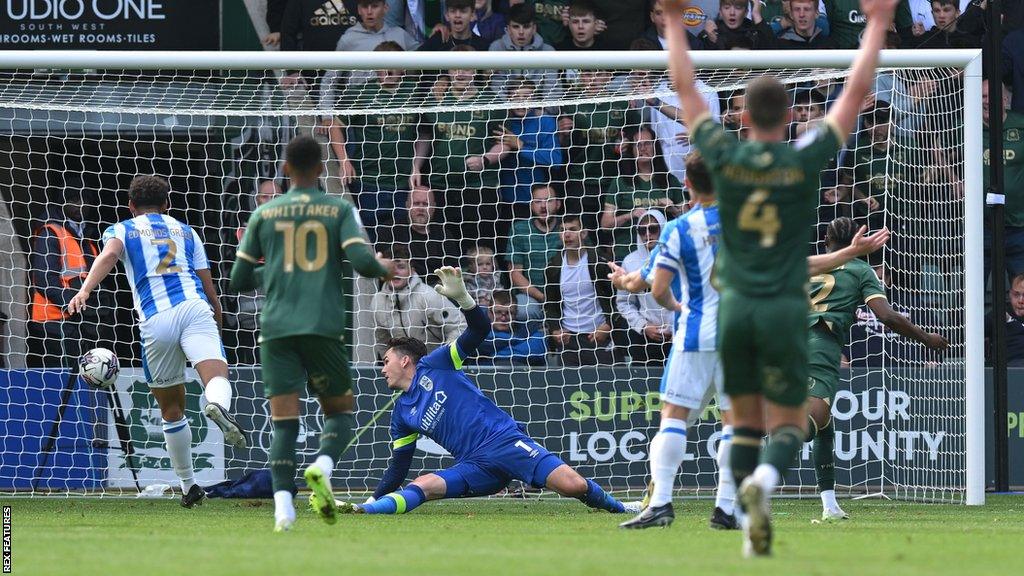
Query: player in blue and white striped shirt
[[680, 272], [179, 318]]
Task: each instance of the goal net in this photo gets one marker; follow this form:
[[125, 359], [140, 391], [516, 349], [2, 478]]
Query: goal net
[[453, 159]]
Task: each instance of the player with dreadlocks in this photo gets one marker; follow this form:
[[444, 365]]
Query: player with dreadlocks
[[835, 297]]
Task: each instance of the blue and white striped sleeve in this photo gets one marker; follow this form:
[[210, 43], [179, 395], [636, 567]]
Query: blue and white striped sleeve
[[199, 259], [115, 231], [669, 257]]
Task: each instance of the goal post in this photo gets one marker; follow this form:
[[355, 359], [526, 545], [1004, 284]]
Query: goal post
[[975, 288], [103, 115]]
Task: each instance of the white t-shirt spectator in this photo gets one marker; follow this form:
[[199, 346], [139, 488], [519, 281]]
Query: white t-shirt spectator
[[581, 313]]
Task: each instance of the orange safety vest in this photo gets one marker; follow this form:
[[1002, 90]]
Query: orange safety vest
[[73, 266]]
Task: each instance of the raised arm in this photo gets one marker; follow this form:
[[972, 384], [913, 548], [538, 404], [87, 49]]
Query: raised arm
[[681, 67], [478, 325], [861, 246], [903, 326], [102, 266], [843, 114]]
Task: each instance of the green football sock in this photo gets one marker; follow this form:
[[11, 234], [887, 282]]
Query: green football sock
[[282, 454], [784, 444], [336, 435], [824, 458], [746, 446]]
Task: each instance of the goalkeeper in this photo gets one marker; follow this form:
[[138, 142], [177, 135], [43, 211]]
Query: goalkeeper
[[439, 400]]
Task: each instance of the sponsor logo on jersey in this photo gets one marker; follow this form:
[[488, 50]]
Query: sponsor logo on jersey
[[1013, 135], [434, 412]]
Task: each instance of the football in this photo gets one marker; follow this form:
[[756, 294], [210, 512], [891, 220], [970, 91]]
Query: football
[[99, 368]]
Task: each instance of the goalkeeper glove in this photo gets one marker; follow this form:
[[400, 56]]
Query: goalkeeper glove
[[452, 286]]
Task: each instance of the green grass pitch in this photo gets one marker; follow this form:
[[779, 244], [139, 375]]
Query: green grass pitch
[[115, 537]]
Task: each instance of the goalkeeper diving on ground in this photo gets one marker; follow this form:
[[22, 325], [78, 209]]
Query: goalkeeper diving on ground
[[438, 400]]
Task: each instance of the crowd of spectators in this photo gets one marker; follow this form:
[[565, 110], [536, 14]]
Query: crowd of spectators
[[533, 201], [611, 24]]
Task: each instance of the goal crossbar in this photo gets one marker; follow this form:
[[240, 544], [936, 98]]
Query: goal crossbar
[[639, 59]]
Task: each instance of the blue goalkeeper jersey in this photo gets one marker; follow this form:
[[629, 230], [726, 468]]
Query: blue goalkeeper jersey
[[442, 403]]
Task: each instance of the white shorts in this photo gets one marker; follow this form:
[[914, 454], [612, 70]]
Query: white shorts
[[691, 378], [187, 331]]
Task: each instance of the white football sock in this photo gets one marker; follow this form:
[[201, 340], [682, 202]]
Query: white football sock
[[768, 477], [668, 448], [283, 507], [326, 465], [178, 438], [218, 391], [726, 496], [828, 500]]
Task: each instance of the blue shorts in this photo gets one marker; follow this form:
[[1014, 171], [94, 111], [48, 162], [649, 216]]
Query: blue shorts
[[518, 458]]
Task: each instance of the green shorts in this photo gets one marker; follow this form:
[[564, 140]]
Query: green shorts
[[763, 344], [295, 362], [824, 353]]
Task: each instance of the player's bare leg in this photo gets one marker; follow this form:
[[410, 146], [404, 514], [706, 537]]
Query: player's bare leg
[[284, 415], [821, 430], [178, 440], [217, 390]]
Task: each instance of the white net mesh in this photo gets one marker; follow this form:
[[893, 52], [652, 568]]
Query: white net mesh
[[454, 168]]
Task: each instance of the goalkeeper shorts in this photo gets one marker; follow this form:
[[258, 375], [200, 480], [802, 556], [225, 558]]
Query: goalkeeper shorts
[[517, 458]]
